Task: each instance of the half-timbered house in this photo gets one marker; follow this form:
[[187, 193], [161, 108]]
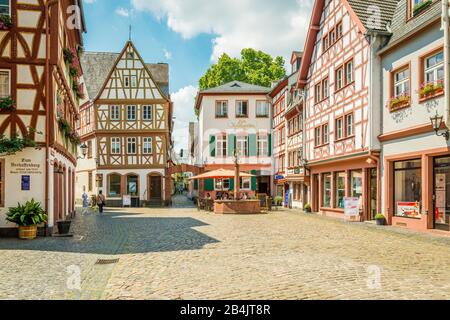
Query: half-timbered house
[[340, 77], [127, 128], [41, 88]]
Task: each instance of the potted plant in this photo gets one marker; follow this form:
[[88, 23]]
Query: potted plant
[[63, 226], [380, 219], [5, 22], [278, 201], [399, 102], [27, 217], [7, 104], [428, 89], [307, 208]]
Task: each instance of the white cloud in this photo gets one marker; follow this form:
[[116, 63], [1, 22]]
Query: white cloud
[[183, 104], [123, 12], [276, 27], [167, 54]]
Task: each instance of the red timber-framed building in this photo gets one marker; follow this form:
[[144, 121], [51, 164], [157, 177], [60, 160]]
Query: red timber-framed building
[[40, 73], [342, 115]]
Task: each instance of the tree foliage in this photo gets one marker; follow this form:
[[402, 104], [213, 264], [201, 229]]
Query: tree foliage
[[254, 67]]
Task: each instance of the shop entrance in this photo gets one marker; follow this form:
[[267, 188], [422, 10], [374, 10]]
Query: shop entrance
[[441, 195], [373, 192]]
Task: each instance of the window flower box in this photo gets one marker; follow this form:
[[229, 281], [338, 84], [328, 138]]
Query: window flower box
[[5, 22], [400, 102], [69, 56], [7, 104], [74, 138], [418, 8], [430, 89]]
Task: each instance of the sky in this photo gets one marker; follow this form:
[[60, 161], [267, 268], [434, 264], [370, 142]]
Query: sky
[[190, 35]]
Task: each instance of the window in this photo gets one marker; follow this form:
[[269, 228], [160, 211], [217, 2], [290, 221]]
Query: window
[[242, 146], [126, 81], [349, 76], [262, 109], [241, 109], [282, 136], [418, 6], [131, 113], [221, 109], [339, 129], [147, 146], [332, 37], [434, 68], [221, 146], [90, 181], [325, 43], [131, 145], [349, 125], [356, 188], [222, 184], [4, 7], [318, 91], [2, 182], [89, 153], [401, 82], [115, 146], [325, 134], [326, 190], [339, 78], [115, 113], [5, 90], [318, 136], [408, 188], [114, 185], [339, 190], [339, 30], [246, 183], [130, 55], [133, 185], [325, 88], [263, 145], [87, 115], [133, 81], [147, 113]]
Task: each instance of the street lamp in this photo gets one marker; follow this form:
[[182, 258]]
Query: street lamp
[[84, 150], [436, 123]]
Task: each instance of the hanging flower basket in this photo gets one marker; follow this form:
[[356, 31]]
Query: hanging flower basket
[[396, 103], [7, 104], [429, 89], [5, 22], [68, 55], [74, 138]]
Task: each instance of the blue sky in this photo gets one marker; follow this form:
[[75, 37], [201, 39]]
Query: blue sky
[[191, 34]]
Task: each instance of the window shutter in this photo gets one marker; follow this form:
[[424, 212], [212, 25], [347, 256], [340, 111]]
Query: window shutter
[[231, 144], [270, 145], [212, 145], [254, 180], [209, 185], [252, 145], [231, 184]]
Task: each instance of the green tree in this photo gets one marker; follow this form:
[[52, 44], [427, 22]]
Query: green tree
[[254, 67]]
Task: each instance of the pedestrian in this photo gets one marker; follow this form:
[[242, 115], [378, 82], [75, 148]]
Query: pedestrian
[[85, 198], [101, 201]]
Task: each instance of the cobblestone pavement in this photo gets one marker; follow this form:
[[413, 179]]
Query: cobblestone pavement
[[185, 254]]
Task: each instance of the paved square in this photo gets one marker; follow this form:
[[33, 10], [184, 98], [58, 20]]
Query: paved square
[[184, 254]]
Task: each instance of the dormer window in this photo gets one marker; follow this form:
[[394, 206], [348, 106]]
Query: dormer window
[[418, 6]]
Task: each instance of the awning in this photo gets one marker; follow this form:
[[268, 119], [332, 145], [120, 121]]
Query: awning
[[221, 174]]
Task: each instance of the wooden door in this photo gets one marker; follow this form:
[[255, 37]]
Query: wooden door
[[155, 191]]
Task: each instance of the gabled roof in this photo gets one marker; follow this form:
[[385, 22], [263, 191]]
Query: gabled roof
[[366, 12], [237, 87], [402, 27], [97, 66]]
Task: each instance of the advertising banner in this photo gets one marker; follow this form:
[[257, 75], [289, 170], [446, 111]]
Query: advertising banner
[[408, 210]]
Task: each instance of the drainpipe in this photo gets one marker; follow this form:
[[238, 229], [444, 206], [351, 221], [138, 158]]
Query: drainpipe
[[47, 103], [446, 26]]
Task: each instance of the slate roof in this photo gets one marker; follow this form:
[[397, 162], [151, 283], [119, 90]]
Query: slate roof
[[237, 87], [365, 9], [401, 27], [97, 66]]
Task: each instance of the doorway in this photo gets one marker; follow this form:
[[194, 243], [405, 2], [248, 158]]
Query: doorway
[[315, 196], [441, 197], [155, 189], [133, 190], [373, 193]]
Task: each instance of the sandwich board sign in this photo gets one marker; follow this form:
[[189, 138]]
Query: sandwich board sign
[[126, 201], [351, 208]]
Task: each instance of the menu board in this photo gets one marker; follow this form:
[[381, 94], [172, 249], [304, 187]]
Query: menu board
[[408, 209], [126, 200], [351, 207]]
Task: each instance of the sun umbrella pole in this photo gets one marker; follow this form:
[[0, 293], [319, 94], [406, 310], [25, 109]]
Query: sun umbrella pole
[[236, 176]]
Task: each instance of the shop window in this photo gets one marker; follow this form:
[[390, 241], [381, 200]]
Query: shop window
[[114, 185], [408, 188], [356, 185], [132, 185], [246, 183], [340, 178], [326, 190], [222, 184]]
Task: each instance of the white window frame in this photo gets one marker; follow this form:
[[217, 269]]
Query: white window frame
[[126, 81], [318, 136], [222, 183], [131, 108], [115, 113], [221, 146], [147, 116], [340, 129], [131, 142], [116, 146], [433, 69], [240, 108], [221, 109], [9, 83], [263, 145], [340, 78], [325, 134], [242, 145], [133, 81], [245, 181], [262, 109], [349, 73], [401, 86], [147, 145], [349, 133]]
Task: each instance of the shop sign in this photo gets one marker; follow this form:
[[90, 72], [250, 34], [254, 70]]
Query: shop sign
[[351, 207], [408, 209], [279, 177], [26, 183], [126, 201], [26, 167], [132, 187]]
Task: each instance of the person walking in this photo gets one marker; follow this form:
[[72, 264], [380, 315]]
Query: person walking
[[85, 197], [101, 201]]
